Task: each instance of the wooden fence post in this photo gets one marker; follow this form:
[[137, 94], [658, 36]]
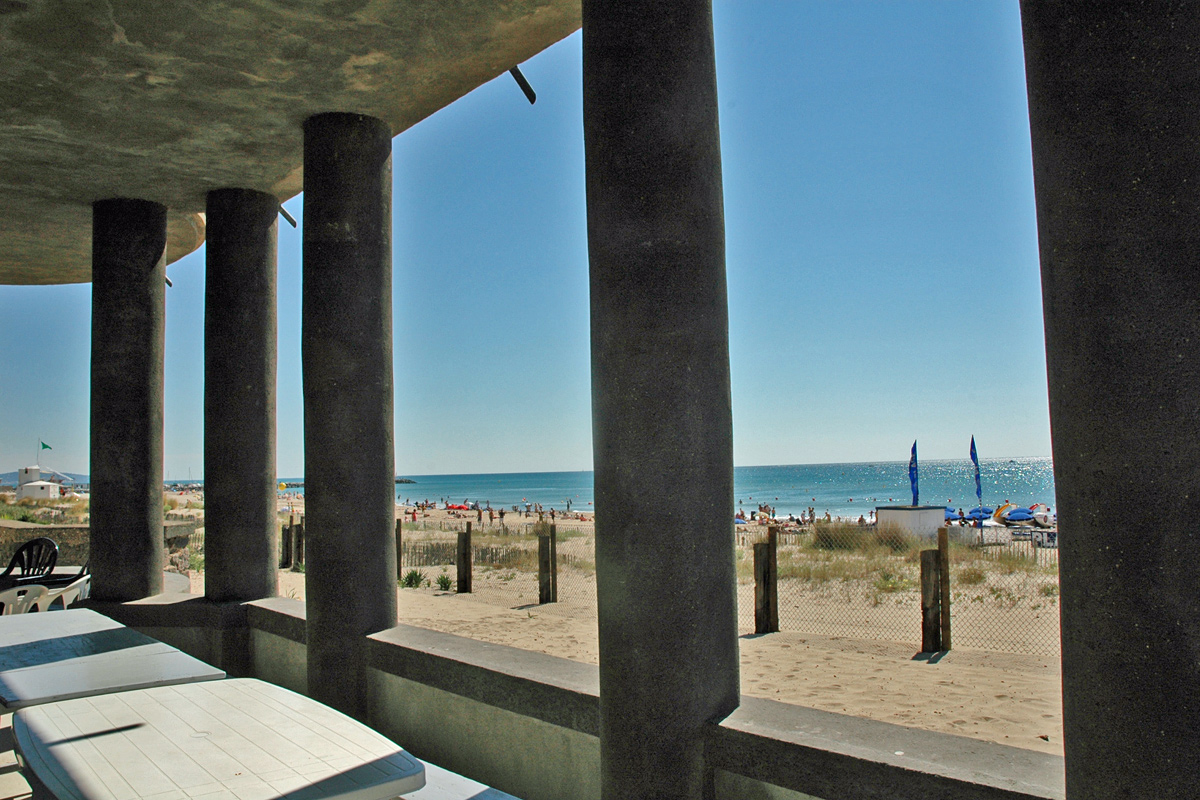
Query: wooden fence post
[[399, 548], [944, 594], [545, 582], [931, 613], [766, 598], [285, 545], [298, 545], [553, 563], [463, 560], [773, 595]]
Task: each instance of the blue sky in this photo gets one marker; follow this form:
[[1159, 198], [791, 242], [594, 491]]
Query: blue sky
[[881, 254]]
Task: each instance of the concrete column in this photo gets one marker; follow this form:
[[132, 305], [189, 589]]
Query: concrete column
[[661, 418], [1114, 90], [241, 546], [349, 475], [128, 311]]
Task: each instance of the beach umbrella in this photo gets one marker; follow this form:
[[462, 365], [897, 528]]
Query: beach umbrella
[[1019, 515]]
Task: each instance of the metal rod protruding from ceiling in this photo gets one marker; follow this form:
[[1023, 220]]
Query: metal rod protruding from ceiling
[[524, 84]]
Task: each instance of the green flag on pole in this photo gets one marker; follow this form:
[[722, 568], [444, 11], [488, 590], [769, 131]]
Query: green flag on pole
[[45, 446]]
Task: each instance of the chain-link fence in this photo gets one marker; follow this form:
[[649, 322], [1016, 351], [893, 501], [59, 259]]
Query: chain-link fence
[[504, 559], [1004, 594], [864, 582], [840, 579], [832, 579]]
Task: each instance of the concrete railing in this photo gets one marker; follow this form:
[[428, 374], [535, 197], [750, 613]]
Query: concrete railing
[[527, 723]]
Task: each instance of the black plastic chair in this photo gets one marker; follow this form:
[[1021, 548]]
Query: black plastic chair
[[35, 559]]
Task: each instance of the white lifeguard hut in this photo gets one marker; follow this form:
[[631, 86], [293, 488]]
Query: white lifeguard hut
[[31, 485], [917, 520]]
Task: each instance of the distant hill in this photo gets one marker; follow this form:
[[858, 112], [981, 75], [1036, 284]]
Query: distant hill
[[10, 478]]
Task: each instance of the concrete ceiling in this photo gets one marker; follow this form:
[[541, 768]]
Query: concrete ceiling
[[164, 101]]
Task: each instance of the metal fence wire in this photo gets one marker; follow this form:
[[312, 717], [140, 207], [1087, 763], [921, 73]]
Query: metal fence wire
[[863, 582], [504, 562], [833, 579]]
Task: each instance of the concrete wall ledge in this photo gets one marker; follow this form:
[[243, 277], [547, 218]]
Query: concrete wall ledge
[[550, 689], [280, 616], [833, 755], [173, 610], [800, 750]]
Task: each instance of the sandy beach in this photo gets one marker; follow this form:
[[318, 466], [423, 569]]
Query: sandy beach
[[999, 697]]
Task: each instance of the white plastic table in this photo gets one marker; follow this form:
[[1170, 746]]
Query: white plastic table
[[241, 739], [58, 655]]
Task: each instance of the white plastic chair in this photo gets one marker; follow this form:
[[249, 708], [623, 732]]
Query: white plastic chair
[[77, 589], [20, 599]]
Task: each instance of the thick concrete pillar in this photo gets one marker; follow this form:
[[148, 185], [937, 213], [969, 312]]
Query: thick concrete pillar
[[241, 548], [661, 418], [129, 240], [1114, 93], [349, 474]]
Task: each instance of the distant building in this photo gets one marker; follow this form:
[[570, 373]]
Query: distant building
[[917, 520], [31, 485], [39, 490]]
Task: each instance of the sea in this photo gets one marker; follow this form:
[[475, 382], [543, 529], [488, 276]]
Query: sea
[[844, 490]]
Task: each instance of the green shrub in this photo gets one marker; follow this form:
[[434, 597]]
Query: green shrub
[[413, 579], [444, 582], [1049, 590], [887, 582], [20, 512]]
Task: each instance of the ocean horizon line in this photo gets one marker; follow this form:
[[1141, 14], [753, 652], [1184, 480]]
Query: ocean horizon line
[[12, 474]]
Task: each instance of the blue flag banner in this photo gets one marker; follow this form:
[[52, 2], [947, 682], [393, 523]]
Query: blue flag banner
[[912, 473], [978, 485]]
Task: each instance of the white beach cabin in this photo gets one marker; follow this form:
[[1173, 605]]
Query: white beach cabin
[[917, 520], [31, 485]]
